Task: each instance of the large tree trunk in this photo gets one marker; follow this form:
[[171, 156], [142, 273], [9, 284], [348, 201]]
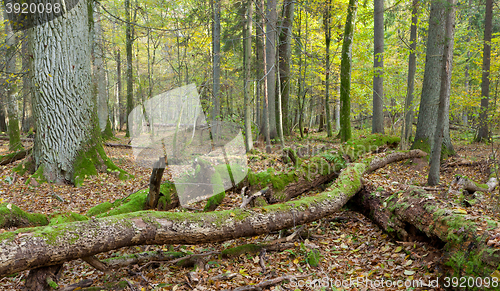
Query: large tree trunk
[[428, 112], [416, 215], [378, 65], [345, 73], [444, 95], [483, 132], [45, 246], [63, 103], [406, 129]]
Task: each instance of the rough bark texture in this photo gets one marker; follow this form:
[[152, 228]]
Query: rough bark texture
[[345, 72], [63, 105], [155, 183], [418, 216], [444, 95], [378, 65], [427, 117], [46, 246], [483, 132]]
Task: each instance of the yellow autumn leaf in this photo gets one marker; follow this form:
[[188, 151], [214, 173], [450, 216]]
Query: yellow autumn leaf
[[459, 211]]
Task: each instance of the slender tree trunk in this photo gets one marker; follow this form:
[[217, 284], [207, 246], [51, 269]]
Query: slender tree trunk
[[128, 46], [216, 62], [271, 19], [99, 72], [483, 133], [11, 88], [428, 111], [328, 38], [27, 118], [444, 94], [465, 116], [337, 106], [345, 72], [378, 64], [259, 69], [285, 54], [247, 51], [279, 113], [119, 95], [267, 133], [406, 129]]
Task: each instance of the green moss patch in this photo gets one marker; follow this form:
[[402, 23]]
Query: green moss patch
[[279, 180], [101, 208], [87, 160], [67, 217], [241, 250], [13, 216]]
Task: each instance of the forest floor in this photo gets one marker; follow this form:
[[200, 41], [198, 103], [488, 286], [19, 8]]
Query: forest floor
[[350, 246]]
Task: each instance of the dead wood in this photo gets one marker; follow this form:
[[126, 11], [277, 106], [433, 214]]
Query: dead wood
[[28, 139], [51, 244], [44, 278], [96, 263], [155, 183], [378, 163], [77, 286], [416, 215], [464, 183], [267, 283], [12, 157]]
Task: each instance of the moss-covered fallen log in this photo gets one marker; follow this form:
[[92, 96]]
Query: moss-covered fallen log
[[15, 156], [51, 245], [471, 243]]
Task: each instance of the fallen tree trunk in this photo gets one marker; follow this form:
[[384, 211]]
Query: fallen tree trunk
[[12, 157], [44, 246], [471, 243]]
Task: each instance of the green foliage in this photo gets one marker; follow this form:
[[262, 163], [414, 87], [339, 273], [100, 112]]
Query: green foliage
[[313, 258]]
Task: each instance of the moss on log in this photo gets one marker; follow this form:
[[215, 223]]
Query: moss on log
[[43, 246], [471, 243]]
